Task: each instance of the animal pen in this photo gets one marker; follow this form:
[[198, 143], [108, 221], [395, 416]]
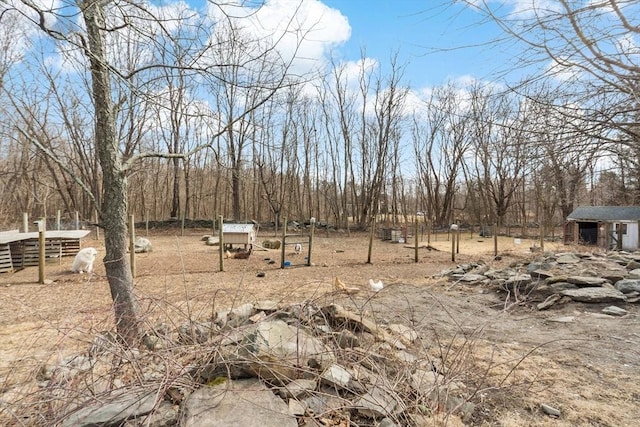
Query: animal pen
[[297, 239], [19, 250]]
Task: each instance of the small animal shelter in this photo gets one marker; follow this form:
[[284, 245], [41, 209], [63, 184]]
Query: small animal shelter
[[19, 250], [239, 234], [607, 227]]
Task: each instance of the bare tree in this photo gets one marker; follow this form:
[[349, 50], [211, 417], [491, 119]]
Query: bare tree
[[108, 26], [589, 52], [501, 147], [441, 141]]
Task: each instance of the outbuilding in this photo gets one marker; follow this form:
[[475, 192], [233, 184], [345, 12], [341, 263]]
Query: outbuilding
[[239, 234], [608, 227]]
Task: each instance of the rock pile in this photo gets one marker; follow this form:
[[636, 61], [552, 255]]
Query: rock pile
[[562, 277], [261, 365], [271, 244], [142, 245]]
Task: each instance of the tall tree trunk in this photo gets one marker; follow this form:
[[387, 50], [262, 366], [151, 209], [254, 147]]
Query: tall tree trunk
[[114, 206]]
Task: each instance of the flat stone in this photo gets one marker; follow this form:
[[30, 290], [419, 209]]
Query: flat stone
[[550, 410], [594, 295], [376, 403], [567, 258], [343, 318], [561, 286], [612, 310], [468, 277], [542, 267], [337, 376], [634, 274], [541, 274], [627, 286], [297, 388], [517, 280], [297, 408], [551, 299], [280, 352], [115, 408], [266, 305], [633, 265], [327, 400], [247, 403], [585, 281]]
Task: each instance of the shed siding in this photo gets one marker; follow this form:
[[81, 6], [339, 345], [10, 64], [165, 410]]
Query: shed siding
[[630, 240]]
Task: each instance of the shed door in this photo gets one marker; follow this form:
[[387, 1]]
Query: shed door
[[588, 233]]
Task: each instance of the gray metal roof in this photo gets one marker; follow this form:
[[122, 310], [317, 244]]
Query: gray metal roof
[[605, 213], [15, 235]]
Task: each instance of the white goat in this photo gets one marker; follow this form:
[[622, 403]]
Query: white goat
[[84, 260]]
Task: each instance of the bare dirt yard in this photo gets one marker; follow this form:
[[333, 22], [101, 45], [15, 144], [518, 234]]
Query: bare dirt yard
[[517, 357]]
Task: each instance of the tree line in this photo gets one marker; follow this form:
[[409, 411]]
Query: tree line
[[475, 154]]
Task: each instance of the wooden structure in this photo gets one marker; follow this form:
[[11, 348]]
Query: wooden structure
[[20, 250], [298, 241], [394, 234], [608, 227], [239, 234]]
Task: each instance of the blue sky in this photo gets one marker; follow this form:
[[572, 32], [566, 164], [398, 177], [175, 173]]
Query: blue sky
[[437, 40]]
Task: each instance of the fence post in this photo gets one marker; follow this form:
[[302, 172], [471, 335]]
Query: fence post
[[42, 224], [25, 222], [132, 245], [313, 227], [453, 246], [371, 234], [283, 253], [221, 243]]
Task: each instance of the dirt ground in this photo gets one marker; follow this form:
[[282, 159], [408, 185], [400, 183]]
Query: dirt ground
[[519, 357]]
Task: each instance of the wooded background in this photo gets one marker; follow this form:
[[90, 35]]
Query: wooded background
[[350, 142]]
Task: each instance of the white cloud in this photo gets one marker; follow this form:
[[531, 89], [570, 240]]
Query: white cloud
[[563, 71], [17, 30], [518, 9], [306, 30]]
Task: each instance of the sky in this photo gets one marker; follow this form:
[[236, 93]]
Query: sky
[[436, 40]]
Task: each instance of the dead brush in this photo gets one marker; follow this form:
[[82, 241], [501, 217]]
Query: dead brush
[[435, 378]]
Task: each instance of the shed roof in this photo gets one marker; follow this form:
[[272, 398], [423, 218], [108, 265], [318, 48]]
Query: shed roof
[[237, 228], [605, 213], [15, 235]]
